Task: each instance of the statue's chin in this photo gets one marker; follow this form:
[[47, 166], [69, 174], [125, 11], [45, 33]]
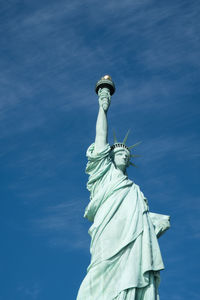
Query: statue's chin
[[121, 167]]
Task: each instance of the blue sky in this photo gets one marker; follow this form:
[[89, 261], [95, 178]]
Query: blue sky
[[51, 55]]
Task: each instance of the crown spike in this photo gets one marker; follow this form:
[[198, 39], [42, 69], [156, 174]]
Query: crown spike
[[114, 136], [131, 147], [126, 136], [135, 155], [132, 164]]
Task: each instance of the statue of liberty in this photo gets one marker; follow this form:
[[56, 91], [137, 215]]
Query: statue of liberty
[[125, 255]]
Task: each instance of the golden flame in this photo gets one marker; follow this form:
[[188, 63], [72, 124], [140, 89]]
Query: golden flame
[[107, 77]]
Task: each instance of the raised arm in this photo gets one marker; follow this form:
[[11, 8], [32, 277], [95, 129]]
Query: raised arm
[[102, 124]]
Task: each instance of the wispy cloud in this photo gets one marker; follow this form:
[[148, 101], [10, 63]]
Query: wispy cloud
[[181, 147], [64, 47], [182, 293], [63, 226], [32, 291]]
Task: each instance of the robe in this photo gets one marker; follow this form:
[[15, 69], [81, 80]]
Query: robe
[[125, 255]]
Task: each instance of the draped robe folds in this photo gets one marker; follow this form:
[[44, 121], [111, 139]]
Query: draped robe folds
[[125, 255]]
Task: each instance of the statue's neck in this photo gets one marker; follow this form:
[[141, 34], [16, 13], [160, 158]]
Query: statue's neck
[[121, 170]]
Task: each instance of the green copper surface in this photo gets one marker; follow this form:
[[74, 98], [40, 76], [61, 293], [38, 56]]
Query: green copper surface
[[125, 255]]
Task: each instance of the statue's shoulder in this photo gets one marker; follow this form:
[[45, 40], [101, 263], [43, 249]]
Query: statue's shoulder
[[92, 154]]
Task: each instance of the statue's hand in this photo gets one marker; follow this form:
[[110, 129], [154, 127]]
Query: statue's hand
[[104, 98]]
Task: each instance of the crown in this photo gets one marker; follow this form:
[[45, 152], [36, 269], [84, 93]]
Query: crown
[[123, 145]]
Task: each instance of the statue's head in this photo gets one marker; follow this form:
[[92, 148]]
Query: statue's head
[[121, 154], [121, 157]]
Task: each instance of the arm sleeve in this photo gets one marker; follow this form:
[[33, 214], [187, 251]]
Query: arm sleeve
[[97, 166]]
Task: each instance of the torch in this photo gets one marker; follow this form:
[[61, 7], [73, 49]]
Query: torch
[[105, 83]]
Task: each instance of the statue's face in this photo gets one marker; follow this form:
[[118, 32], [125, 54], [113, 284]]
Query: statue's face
[[121, 158]]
